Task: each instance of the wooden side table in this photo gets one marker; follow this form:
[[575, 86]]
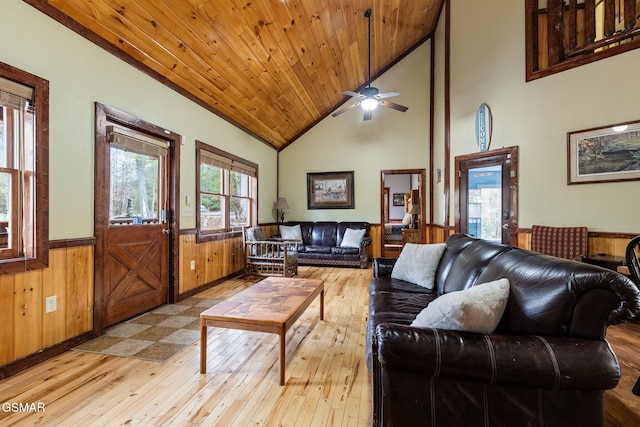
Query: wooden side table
[[611, 262], [411, 235]]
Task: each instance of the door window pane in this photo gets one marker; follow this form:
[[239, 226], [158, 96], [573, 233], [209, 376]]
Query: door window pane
[[134, 187], [485, 203]]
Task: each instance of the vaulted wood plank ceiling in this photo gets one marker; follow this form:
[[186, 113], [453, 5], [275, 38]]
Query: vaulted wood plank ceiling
[[271, 67]]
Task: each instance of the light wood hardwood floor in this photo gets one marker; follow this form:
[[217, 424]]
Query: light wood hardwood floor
[[327, 383]]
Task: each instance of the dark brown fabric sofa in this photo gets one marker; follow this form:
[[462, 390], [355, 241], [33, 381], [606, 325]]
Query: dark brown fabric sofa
[[321, 243], [546, 364]]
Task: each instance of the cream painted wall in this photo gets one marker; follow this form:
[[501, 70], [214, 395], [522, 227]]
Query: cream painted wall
[[80, 74], [391, 140], [488, 65]]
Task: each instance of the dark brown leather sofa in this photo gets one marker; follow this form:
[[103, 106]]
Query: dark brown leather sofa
[[321, 244], [546, 364]]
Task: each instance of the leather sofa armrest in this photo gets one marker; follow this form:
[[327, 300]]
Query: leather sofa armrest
[[382, 267], [551, 363]]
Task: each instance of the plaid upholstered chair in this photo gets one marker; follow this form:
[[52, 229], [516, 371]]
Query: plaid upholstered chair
[[562, 242]]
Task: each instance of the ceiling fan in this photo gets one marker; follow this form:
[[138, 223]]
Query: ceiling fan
[[370, 97]]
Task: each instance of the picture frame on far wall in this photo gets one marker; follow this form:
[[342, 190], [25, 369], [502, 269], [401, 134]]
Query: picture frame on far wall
[[330, 190], [398, 199], [604, 154]]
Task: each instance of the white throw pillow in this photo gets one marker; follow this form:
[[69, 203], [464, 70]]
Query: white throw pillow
[[407, 219], [352, 238], [477, 309], [291, 232], [418, 263]]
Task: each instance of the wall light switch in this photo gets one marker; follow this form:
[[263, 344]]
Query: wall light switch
[[193, 264]]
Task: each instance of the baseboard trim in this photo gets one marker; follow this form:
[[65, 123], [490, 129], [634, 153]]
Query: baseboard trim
[[194, 291], [32, 360]]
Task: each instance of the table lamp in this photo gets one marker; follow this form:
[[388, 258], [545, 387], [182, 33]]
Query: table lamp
[[281, 206]]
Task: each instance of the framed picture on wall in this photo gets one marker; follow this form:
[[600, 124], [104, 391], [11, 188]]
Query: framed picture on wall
[[604, 154], [398, 199], [330, 190]]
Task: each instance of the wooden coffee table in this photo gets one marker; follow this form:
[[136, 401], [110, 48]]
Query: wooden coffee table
[[271, 305]]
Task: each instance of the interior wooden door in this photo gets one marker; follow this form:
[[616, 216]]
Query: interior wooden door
[[134, 225]]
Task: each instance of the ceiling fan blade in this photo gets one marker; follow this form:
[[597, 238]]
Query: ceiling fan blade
[[393, 106], [345, 109], [367, 115], [387, 95], [351, 93]]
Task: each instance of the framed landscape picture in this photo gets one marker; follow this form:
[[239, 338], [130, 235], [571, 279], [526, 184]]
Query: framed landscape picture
[[330, 190], [604, 154]]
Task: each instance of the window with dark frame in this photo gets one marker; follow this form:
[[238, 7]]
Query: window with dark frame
[[226, 192], [24, 100]]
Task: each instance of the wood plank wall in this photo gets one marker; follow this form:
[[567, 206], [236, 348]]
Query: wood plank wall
[[25, 328], [214, 260]]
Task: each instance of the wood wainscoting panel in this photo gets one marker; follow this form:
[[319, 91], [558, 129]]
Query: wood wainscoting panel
[[213, 261], [54, 283], [599, 242], [609, 243], [375, 248], [28, 303], [25, 328]]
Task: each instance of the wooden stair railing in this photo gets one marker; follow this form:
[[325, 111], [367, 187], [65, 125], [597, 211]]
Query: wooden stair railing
[[562, 34]]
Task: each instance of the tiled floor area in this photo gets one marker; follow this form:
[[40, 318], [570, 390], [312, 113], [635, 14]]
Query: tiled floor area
[[156, 335]]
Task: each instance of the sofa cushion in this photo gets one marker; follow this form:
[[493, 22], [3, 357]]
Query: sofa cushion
[[324, 234], [291, 232], [465, 268], [318, 249], [345, 251], [418, 263], [477, 309], [352, 238]]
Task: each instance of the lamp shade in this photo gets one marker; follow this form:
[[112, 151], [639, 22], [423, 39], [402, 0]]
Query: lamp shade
[[281, 204]]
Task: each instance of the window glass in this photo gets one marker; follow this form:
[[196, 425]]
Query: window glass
[[23, 170], [239, 212], [134, 186], [227, 191]]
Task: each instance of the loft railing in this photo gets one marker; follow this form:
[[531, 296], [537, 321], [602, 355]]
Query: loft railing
[[563, 34]]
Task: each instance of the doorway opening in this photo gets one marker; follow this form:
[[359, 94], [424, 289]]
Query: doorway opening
[[487, 189], [402, 209]]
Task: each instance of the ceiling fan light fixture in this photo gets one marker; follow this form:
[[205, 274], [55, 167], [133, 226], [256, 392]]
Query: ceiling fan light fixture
[[370, 97], [369, 104]]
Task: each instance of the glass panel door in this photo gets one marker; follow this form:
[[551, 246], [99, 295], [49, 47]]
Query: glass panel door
[[485, 203], [487, 195]]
